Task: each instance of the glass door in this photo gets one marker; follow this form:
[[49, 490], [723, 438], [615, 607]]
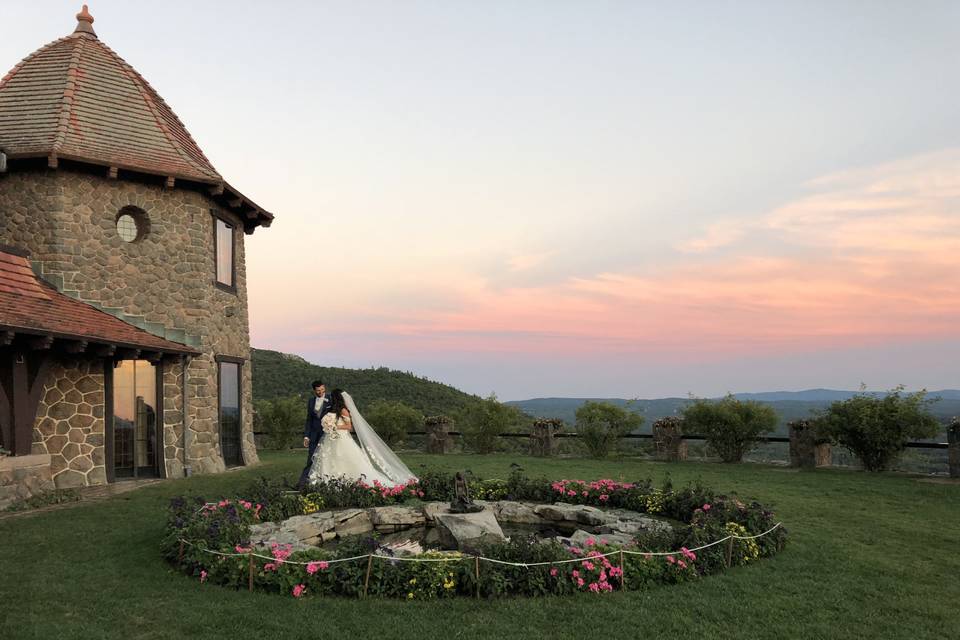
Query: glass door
[[135, 419]]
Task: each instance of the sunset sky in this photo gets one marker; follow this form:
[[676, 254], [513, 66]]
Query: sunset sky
[[578, 198]]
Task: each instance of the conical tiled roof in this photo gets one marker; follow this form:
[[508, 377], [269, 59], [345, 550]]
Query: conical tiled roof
[[75, 99]]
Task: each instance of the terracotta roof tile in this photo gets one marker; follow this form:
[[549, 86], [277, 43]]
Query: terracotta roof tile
[[30, 305], [75, 98]]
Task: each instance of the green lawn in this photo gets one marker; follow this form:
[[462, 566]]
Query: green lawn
[[869, 556]]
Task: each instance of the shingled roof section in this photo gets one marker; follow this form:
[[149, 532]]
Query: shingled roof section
[[29, 305], [75, 99]]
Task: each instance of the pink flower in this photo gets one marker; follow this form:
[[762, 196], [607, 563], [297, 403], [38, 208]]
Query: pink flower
[[270, 566], [579, 582], [298, 590], [604, 497], [571, 493], [706, 507], [203, 575], [594, 587], [575, 573], [588, 565], [603, 541], [670, 559], [681, 564], [553, 572], [240, 549], [589, 542], [313, 567]]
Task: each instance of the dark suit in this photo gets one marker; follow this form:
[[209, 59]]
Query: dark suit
[[313, 430]]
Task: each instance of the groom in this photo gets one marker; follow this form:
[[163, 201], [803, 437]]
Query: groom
[[317, 407]]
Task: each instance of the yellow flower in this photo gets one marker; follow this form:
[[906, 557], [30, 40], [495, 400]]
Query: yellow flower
[[410, 596], [413, 581]]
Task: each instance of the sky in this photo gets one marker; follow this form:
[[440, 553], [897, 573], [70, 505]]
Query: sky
[[591, 199]]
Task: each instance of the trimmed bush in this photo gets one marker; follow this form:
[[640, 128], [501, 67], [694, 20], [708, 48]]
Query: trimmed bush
[[601, 424], [877, 429], [731, 426], [393, 419]]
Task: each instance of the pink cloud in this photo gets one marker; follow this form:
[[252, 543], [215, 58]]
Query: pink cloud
[[874, 256]]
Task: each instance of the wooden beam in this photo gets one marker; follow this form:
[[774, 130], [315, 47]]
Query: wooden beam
[[127, 354], [235, 202], [6, 338], [76, 347], [152, 356], [52, 161], [112, 173], [104, 350], [170, 182], [6, 415], [26, 393], [40, 343], [216, 190]]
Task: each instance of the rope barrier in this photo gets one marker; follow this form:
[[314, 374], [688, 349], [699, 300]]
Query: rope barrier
[[463, 557]]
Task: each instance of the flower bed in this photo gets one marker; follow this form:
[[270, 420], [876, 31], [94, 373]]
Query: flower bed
[[211, 541]]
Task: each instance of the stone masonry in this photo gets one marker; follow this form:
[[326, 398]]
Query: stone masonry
[[163, 282]]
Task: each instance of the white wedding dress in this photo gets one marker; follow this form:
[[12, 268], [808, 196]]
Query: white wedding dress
[[339, 457]]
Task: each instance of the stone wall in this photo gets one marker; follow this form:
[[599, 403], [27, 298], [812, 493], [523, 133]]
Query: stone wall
[[70, 424], [22, 477], [164, 281]]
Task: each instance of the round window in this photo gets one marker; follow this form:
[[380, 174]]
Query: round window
[[132, 224]]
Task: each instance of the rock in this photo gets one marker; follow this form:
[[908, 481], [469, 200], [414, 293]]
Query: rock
[[395, 518], [309, 528], [431, 509], [593, 516], [580, 537], [352, 522], [517, 512], [557, 512], [466, 530]]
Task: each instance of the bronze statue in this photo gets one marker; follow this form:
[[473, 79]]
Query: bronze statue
[[461, 502]]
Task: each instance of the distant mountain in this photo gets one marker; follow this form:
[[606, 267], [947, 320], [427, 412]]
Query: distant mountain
[[789, 405], [280, 375]]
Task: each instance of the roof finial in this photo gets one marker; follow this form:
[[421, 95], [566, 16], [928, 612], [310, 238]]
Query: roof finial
[[85, 22]]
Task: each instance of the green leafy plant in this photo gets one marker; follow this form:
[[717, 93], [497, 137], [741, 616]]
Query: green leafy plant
[[483, 422], [393, 419], [876, 429], [731, 426], [601, 424], [280, 420]]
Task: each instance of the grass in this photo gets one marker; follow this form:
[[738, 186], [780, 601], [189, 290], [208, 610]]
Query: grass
[[869, 556]]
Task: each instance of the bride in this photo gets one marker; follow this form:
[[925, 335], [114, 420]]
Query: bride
[[339, 457]]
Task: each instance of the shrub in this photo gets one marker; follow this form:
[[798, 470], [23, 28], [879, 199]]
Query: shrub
[[601, 424], [483, 422], [731, 426], [876, 429], [281, 420], [393, 419]]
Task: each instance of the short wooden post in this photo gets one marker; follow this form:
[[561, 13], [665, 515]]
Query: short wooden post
[[623, 574], [477, 574], [180, 555], [366, 581], [250, 570], [729, 551], [953, 448]]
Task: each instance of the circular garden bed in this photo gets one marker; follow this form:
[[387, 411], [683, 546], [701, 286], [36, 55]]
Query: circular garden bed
[[571, 536]]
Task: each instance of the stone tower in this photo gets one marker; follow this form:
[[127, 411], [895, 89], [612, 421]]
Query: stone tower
[[106, 194]]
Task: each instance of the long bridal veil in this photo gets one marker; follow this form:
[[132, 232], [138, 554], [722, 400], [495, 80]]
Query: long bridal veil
[[382, 457]]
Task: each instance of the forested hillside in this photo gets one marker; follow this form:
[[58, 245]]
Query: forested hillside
[[281, 375]]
